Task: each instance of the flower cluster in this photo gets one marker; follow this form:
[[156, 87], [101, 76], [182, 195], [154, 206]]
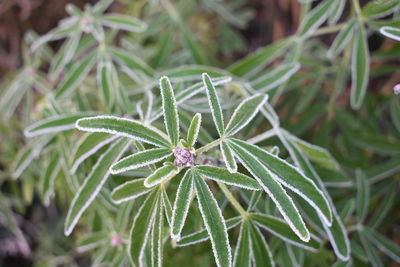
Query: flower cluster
[[183, 157]]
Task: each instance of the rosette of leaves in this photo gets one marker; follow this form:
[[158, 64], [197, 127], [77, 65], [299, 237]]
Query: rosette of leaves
[[264, 171]]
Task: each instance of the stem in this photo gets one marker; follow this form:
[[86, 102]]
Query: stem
[[329, 29], [357, 8], [208, 146], [233, 200], [262, 137]]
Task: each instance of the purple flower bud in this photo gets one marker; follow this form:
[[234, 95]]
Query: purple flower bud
[[183, 157], [396, 89], [116, 240]]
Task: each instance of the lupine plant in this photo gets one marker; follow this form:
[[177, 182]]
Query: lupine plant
[[161, 154]]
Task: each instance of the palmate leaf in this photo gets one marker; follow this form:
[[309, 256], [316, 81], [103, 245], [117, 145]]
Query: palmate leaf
[[215, 106], [274, 190], [244, 113], [224, 176], [359, 67], [227, 156], [107, 80], [55, 124], [129, 190], [213, 221], [193, 130], [140, 159], [93, 183], [170, 110], [182, 204], [130, 61], [242, 256], [123, 127], [342, 39], [281, 229], [161, 174], [142, 226]]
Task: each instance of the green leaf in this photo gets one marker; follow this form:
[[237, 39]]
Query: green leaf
[[224, 176], [170, 110], [244, 113], [374, 10], [275, 77], [181, 205], [65, 54], [342, 39], [93, 183], [129, 190], [215, 106], [259, 59], [362, 196], [317, 154], [22, 160], [157, 243], [54, 124], [260, 251], [265, 178], [372, 255], [336, 232], [386, 245], [65, 27], [160, 175], [359, 67], [193, 130], [91, 241], [281, 229], [202, 235], [390, 32], [108, 81], [213, 221], [47, 182], [292, 178], [242, 256], [140, 159], [75, 76], [203, 136], [191, 45], [88, 145], [123, 22], [141, 227], [123, 127], [167, 207], [130, 61], [383, 209], [337, 11], [228, 157], [313, 19], [194, 72]]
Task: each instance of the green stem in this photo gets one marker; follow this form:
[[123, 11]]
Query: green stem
[[329, 29], [208, 146], [233, 200]]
